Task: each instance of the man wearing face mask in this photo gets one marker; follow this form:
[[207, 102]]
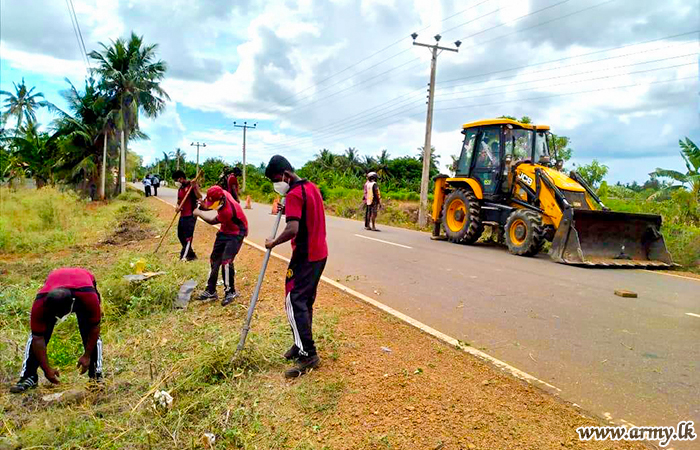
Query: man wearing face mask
[[66, 290], [306, 228], [223, 210], [187, 221]]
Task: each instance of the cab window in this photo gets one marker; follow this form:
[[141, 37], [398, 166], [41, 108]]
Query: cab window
[[465, 159], [541, 146], [488, 158], [519, 144]]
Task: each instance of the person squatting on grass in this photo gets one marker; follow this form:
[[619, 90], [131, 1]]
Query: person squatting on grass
[[234, 228], [372, 201], [187, 221], [66, 290], [306, 228]]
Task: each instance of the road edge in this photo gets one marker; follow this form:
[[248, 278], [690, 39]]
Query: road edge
[[495, 362]]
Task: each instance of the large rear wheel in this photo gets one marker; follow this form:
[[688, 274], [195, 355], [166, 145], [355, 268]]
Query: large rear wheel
[[525, 234], [461, 218]]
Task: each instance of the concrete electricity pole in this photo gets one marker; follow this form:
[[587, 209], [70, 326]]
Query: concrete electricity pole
[[427, 154], [198, 144], [245, 127]]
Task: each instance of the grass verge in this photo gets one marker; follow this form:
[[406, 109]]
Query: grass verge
[[421, 394]]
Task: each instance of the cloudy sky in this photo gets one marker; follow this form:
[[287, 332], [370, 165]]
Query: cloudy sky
[[619, 77]]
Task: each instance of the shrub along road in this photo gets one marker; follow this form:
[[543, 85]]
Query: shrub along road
[[634, 360]]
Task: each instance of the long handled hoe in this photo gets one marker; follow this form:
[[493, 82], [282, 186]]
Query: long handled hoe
[[177, 211], [256, 293]]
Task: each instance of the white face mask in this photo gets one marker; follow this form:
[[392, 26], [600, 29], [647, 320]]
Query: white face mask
[[281, 187], [178, 184]]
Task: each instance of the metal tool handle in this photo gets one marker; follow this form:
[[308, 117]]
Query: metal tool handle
[[256, 292]]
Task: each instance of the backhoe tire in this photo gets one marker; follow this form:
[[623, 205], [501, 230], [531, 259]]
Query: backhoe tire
[[525, 233], [461, 217]]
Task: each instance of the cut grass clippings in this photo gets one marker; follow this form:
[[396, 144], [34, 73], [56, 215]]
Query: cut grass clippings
[[421, 394]]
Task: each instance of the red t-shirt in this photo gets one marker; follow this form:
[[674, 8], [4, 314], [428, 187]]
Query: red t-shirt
[[233, 185], [191, 202], [232, 218], [305, 204], [84, 288]]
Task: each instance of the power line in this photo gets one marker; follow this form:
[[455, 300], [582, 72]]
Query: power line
[[83, 56], [583, 81], [517, 18], [517, 100], [80, 33], [500, 37], [346, 121], [560, 76], [343, 134], [571, 93], [571, 57], [398, 41]]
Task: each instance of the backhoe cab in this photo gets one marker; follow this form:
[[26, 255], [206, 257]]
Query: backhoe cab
[[508, 178]]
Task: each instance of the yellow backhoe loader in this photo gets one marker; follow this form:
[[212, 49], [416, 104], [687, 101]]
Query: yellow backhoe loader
[[507, 177]]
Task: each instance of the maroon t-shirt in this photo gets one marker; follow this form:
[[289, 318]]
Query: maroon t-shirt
[[233, 185], [191, 202], [84, 288], [232, 218], [305, 204]]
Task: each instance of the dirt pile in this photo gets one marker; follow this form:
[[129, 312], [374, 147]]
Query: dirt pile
[[133, 224]]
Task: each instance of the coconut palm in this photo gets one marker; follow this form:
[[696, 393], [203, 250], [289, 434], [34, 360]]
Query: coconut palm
[[87, 130], [178, 155], [23, 104], [691, 155], [131, 75]]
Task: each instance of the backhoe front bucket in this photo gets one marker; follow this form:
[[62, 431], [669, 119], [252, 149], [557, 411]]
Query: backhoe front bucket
[[606, 238]]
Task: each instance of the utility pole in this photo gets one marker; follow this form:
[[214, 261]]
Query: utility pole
[[245, 127], [427, 154], [198, 144]]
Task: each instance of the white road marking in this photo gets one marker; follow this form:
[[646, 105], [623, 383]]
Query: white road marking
[[384, 242], [671, 275], [692, 314], [517, 373]]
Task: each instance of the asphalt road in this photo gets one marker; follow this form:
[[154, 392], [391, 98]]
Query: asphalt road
[[635, 360]]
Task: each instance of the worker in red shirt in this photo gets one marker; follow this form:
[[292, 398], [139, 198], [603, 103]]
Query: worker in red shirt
[[187, 221], [306, 228], [223, 210], [232, 183], [66, 290]]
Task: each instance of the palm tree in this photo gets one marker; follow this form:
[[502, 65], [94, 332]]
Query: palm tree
[[131, 75], [166, 163], [23, 104], [87, 131], [178, 155], [691, 155], [37, 152]]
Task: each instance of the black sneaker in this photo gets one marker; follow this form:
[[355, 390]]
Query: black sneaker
[[304, 365], [292, 353], [229, 298], [24, 384], [206, 296], [191, 258]]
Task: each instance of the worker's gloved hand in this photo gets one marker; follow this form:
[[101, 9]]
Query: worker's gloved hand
[[280, 208], [52, 376], [83, 363]]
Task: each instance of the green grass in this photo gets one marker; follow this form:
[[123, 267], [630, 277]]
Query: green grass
[[241, 400]]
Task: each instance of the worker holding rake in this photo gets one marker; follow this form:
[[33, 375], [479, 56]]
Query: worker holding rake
[[306, 228], [188, 196]]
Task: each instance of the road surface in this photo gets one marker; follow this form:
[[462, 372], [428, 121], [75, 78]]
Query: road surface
[[635, 360]]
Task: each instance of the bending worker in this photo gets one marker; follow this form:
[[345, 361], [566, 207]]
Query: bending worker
[[66, 290], [306, 228], [234, 228]]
